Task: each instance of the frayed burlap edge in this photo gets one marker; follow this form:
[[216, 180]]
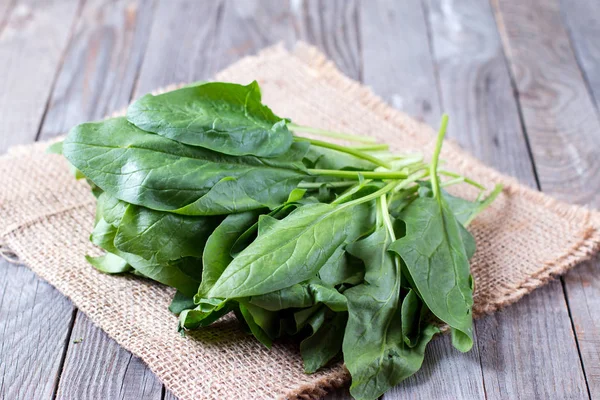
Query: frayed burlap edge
[[581, 251]]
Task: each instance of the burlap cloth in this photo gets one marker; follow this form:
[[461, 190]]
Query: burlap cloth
[[523, 240]]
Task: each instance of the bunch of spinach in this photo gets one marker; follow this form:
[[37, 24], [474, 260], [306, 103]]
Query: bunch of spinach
[[358, 252]]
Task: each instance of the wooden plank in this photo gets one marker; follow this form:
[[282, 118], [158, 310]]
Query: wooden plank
[[476, 90], [398, 65], [6, 8], [101, 66], [562, 127], [332, 26], [97, 77], [36, 322], [180, 48], [582, 18], [96, 367], [249, 26], [32, 45], [397, 61]]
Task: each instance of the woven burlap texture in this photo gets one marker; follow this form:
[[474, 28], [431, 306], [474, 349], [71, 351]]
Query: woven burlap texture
[[523, 240]]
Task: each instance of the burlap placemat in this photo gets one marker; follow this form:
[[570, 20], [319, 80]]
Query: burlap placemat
[[523, 240]]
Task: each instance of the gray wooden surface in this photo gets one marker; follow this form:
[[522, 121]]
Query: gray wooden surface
[[521, 81]]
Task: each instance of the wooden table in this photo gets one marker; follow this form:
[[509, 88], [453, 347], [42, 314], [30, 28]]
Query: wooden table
[[520, 79]]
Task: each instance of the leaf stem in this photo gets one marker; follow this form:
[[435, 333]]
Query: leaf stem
[[385, 215], [356, 174], [316, 185], [350, 191], [343, 149], [466, 180], [371, 147], [435, 183], [337, 135], [485, 203]]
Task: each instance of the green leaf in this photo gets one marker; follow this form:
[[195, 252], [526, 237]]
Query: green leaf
[[169, 274], [323, 158], [293, 250], [253, 319], [301, 295], [181, 302], [436, 258], [411, 318], [55, 148], [223, 117], [149, 170], [109, 264], [326, 340], [216, 256], [342, 268], [163, 236], [204, 314], [374, 350]]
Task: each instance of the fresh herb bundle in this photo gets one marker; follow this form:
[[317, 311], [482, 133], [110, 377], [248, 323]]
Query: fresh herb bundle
[[359, 252]]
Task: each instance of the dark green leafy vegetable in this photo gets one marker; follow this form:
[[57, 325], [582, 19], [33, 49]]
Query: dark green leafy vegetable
[[358, 253], [158, 173], [224, 117]]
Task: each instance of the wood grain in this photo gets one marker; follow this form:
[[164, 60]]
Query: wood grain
[[398, 65], [182, 49], [484, 118], [396, 55], [96, 367], [582, 20], [101, 66], [35, 327], [332, 26], [562, 125], [249, 26], [31, 34]]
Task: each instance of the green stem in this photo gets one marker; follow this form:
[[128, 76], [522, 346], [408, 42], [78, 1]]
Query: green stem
[[467, 180], [452, 182], [435, 184], [371, 147], [337, 135], [343, 149], [385, 214], [372, 196], [350, 192], [411, 179], [316, 185], [356, 174], [485, 203]]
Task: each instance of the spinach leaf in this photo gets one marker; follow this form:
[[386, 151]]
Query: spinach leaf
[[223, 117], [216, 256], [181, 302], [436, 258], [293, 250], [149, 170], [109, 264], [374, 350], [320, 157], [262, 323], [169, 273], [342, 268], [301, 295], [162, 236], [205, 313], [325, 342]]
